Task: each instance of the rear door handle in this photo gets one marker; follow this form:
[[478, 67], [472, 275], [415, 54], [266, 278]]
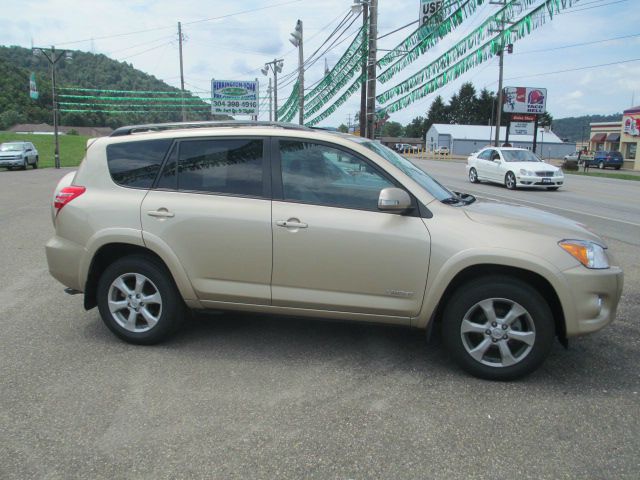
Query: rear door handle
[[160, 213], [291, 224]]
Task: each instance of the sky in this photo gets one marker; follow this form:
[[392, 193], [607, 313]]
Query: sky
[[232, 39]]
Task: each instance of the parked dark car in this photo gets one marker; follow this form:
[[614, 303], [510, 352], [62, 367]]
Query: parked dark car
[[604, 159]]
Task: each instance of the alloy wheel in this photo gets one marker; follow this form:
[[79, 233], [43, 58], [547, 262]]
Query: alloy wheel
[[510, 181], [498, 332], [134, 302]]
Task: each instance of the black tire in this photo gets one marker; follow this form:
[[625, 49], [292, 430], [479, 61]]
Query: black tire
[[24, 164], [510, 181], [617, 167], [553, 189], [503, 289], [172, 309], [35, 164], [473, 175]]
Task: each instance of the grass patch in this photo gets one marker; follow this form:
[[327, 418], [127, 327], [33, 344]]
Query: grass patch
[[72, 147], [621, 176]]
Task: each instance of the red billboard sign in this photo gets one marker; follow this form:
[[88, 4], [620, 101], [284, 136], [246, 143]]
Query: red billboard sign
[[516, 117]]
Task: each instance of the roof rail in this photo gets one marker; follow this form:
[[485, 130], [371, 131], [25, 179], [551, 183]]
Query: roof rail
[[156, 127]]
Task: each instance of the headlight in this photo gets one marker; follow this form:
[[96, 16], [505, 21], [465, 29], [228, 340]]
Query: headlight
[[558, 173], [525, 172], [590, 254]]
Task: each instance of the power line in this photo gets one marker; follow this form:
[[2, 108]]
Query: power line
[[242, 12], [578, 44], [620, 62]]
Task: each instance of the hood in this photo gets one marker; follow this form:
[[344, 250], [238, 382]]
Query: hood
[[529, 219], [534, 166]]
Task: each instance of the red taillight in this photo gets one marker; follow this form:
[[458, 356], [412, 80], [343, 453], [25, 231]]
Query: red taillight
[[65, 195]]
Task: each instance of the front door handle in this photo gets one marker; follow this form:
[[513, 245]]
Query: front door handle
[[291, 223], [160, 213]]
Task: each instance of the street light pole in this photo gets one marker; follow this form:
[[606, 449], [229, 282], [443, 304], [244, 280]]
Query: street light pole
[[53, 59], [296, 40], [276, 67]]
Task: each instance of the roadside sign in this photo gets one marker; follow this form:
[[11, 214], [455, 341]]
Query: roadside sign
[[428, 8], [234, 97], [522, 118], [521, 128], [524, 100]]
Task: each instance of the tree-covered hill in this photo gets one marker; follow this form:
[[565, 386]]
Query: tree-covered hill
[[86, 70], [576, 129]]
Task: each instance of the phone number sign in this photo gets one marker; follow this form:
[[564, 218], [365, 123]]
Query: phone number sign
[[234, 97]]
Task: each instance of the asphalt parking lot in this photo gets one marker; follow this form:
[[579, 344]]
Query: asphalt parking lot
[[239, 396]]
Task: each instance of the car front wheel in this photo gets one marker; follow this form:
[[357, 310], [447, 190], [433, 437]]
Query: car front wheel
[[601, 166], [35, 164], [510, 181], [138, 301], [473, 175], [498, 328]]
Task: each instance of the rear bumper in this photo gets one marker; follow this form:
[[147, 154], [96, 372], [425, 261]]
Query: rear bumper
[[596, 294], [64, 259]]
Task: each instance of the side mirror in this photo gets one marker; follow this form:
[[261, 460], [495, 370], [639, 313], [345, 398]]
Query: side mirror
[[394, 200]]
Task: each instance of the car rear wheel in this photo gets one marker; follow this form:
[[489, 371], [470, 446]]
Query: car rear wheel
[[617, 167], [498, 328], [510, 181], [473, 175], [138, 301]]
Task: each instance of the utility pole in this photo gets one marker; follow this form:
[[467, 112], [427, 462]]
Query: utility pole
[[296, 40], [270, 93], [363, 88], [371, 64], [53, 59], [184, 113], [501, 47], [276, 67]]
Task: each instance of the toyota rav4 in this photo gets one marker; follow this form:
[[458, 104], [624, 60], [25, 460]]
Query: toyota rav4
[[288, 220]]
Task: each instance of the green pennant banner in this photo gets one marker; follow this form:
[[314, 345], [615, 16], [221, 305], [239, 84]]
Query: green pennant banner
[[355, 86], [444, 70], [428, 35], [289, 108]]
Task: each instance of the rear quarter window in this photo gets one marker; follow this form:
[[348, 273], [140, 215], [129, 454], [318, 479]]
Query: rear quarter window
[[136, 164]]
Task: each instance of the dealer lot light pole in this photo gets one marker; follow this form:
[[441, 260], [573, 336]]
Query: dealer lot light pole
[[296, 40], [53, 58], [276, 67]]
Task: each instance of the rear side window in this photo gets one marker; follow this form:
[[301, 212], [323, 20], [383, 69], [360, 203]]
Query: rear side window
[[228, 166], [136, 164]]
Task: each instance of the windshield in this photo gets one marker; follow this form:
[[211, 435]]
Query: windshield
[[519, 156], [11, 147], [430, 184]]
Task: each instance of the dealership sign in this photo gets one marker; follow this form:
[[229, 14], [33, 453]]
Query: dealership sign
[[234, 97], [521, 128], [524, 100], [428, 8]]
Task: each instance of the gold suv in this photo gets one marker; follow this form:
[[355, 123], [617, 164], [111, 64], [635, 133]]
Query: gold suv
[[288, 220]]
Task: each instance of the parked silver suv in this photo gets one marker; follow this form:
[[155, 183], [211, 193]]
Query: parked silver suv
[[289, 220]]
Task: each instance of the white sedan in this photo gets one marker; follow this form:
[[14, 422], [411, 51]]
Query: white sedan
[[513, 167]]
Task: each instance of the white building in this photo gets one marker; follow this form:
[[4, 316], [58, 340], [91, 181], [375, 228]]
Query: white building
[[466, 139]]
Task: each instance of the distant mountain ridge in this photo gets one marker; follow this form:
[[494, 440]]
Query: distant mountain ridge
[[86, 70], [576, 129]]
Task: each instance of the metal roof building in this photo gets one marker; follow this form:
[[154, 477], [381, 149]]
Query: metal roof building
[[466, 139]]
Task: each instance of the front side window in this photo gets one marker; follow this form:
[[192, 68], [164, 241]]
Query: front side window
[[227, 166], [320, 174], [485, 155], [136, 164]]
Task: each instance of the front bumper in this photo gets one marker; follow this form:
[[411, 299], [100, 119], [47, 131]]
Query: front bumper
[[11, 162], [535, 181], [595, 296]]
